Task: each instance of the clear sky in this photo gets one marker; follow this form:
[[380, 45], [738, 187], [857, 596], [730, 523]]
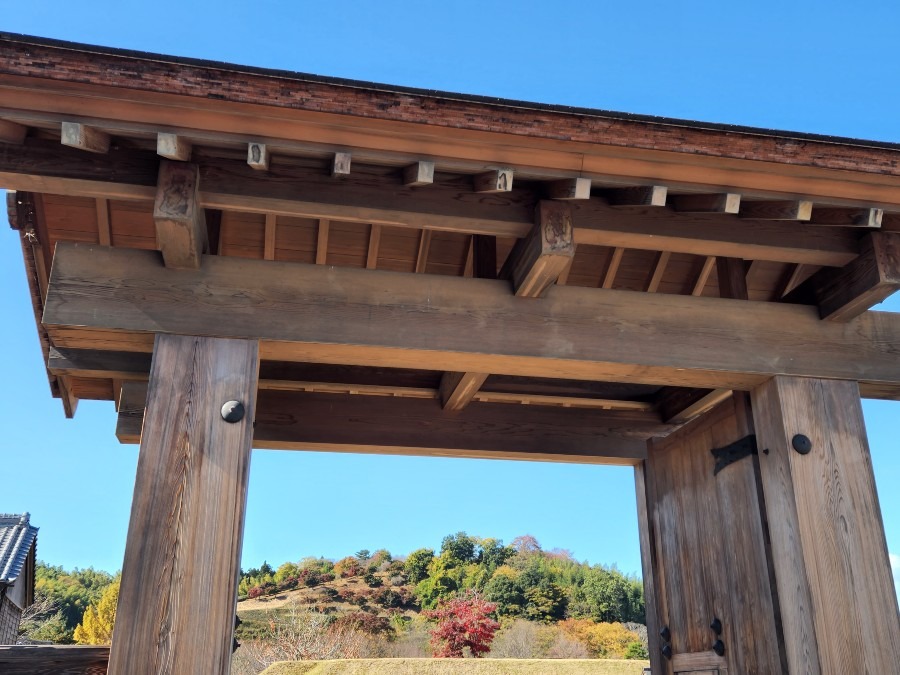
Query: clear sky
[[823, 67]]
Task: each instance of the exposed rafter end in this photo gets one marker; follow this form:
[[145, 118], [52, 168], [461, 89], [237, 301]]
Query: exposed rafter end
[[496, 180], [569, 188], [83, 137], [644, 195], [258, 156], [800, 210], [727, 202], [173, 146], [340, 164], [10, 132], [847, 217], [420, 173]]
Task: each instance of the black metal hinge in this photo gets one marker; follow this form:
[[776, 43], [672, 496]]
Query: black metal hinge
[[732, 453]]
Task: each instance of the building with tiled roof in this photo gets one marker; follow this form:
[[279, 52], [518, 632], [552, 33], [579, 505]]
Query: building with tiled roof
[[18, 544]]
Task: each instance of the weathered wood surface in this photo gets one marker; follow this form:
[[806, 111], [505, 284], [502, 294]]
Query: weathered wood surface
[[649, 563], [776, 210], [418, 174], [569, 188], [649, 195], [708, 548], [708, 203], [294, 420], [177, 598], [179, 218], [458, 389], [536, 262], [84, 137], [10, 132], [111, 298], [53, 660], [173, 146], [844, 293], [295, 189], [838, 600]]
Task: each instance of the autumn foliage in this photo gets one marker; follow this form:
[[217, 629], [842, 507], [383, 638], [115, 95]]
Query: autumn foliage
[[462, 622]]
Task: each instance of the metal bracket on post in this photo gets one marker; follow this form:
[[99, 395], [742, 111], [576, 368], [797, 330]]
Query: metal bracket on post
[[734, 452]]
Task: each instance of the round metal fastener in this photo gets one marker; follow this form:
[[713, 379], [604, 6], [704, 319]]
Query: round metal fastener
[[801, 444], [719, 647], [716, 625], [233, 411], [666, 651]]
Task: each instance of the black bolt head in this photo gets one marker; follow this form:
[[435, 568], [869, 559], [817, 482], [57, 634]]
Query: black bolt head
[[801, 444], [716, 626], [233, 411], [666, 651], [665, 633], [719, 647]]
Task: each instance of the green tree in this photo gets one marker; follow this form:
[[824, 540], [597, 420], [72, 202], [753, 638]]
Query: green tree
[[416, 565], [460, 547], [545, 602], [504, 591], [440, 583], [96, 626], [286, 570]]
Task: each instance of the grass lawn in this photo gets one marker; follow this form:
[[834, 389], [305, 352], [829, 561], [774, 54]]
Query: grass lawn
[[459, 667]]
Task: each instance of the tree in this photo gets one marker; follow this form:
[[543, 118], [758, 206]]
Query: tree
[[525, 544], [462, 623], [504, 591], [96, 626], [459, 547], [416, 565]]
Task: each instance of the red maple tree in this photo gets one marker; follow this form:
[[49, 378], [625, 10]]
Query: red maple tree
[[462, 622]]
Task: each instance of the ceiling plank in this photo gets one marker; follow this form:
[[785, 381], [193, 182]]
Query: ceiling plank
[[97, 297], [411, 426], [174, 147], [845, 293], [178, 216], [83, 137], [726, 202]]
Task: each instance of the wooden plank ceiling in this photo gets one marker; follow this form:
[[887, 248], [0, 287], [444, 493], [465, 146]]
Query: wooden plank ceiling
[[377, 205]]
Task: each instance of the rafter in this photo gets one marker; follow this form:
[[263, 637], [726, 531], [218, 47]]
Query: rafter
[[173, 146], [258, 156], [322, 242], [374, 245], [776, 210], [706, 203], [496, 180], [569, 188], [418, 174], [13, 133], [609, 277], [644, 195], [84, 137]]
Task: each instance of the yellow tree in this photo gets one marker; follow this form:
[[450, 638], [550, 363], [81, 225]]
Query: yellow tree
[[96, 625]]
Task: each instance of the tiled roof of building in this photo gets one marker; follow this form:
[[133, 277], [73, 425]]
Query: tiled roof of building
[[16, 537]]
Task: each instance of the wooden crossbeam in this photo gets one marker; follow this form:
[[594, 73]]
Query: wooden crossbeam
[[776, 210], [728, 202], [258, 156], [847, 217], [178, 215], [340, 164], [269, 246], [104, 235], [536, 262], [418, 174], [422, 255], [296, 191], [96, 298], [13, 133], [845, 293], [322, 242], [458, 389], [569, 188], [54, 659], [83, 137], [644, 195], [496, 180], [678, 405], [174, 147], [291, 420]]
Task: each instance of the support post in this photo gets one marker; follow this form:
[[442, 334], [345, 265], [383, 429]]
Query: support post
[[829, 553], [179, 579]]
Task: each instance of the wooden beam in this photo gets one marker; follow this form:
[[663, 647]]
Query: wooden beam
[[12, 133], [418, 174], [710, 203], [271, 225], [422, 255], [178, 215], [174, 147], [258, 156], [776, 210], [340, 164], [53, 659], [536, 262], [844, 293], [569, 188], [458, 389], [288, 420], [659, 269], [679, 405], [484, 256], [461, 325], [496, 180], [182, 555], [104, 236], [322, 242], [292, 190], [704, 275], [609, 278], [374, 244], [846, 217], [732, 278], [644, 195], [84, 137], [829, 553]]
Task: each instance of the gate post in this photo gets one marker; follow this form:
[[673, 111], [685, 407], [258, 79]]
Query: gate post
[[179, 579], [836, 591]]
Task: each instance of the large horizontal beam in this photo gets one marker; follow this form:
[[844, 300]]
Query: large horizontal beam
[[298, 188], [117, 298], [385, 425], [53, 659]]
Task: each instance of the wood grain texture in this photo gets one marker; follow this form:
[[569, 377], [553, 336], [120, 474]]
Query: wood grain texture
[[418, 174], [645, 195], [53, 660], [84, 137], [173, 146], [358, 317], [609, 277], [536, 262], [331, 422], [707, 203], [179, 218], [178, 594], [13, 133], [847, 217], [776, 210], [649, 563], [340, 164], [703, 277], [496, 180], [709, 551], [568, 188], [458, 389], [844, 293], [830, 557]]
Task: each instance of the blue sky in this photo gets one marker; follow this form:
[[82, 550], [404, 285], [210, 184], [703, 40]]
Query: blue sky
[[822, 67]]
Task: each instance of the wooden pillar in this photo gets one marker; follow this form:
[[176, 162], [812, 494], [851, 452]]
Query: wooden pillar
[[179, 579], [837, 596]]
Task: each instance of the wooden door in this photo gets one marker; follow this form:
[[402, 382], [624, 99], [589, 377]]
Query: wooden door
[[705, 553]]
